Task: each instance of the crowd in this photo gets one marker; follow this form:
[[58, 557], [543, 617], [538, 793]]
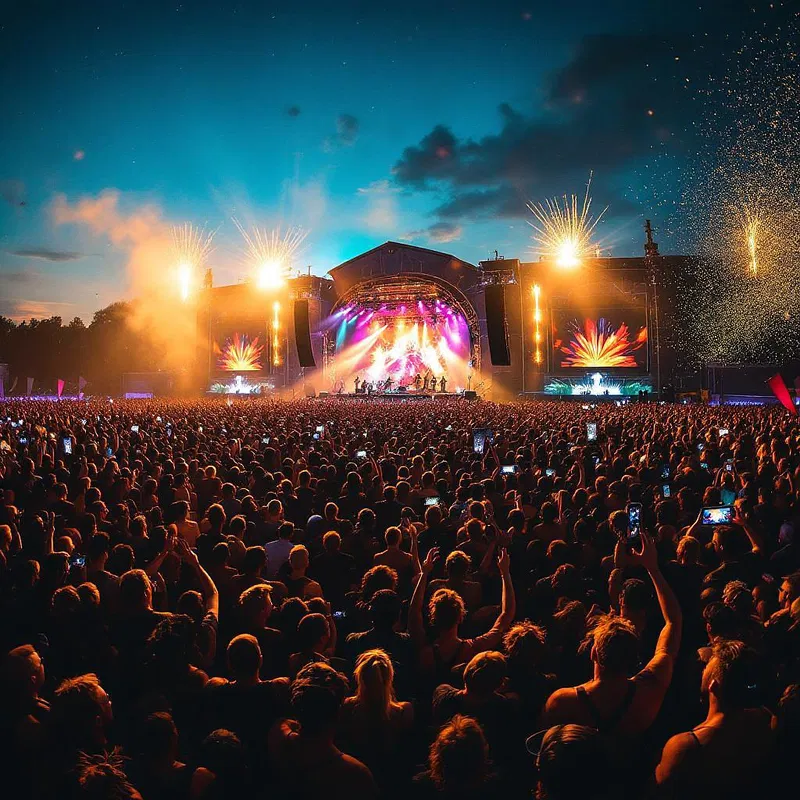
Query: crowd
[[332, 598]]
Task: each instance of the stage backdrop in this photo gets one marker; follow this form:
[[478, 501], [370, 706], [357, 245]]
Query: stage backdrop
[[602, 339]]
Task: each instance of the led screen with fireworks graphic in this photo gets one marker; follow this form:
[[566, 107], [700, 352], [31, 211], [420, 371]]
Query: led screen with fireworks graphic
[[401, 342], [600, 344], [240, 353]]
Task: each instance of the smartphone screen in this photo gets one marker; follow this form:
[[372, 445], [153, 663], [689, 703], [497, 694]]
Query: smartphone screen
[[729, 465], [700, 447], [549, 472], [431, 501], [479, 437], [67, 442], [634, 522], [723, 431], [78, 561], [508, 470], [134, 428], [704, 465], [591, 431], [361, 454], [320, 429], [664, 471], [666, 491], [717, 515]]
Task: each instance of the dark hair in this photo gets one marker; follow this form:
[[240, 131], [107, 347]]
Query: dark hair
[[316, 696]]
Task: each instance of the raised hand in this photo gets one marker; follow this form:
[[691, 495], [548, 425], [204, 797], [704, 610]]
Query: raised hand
[[430, 560]]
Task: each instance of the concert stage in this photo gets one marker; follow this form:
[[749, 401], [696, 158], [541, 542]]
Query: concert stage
[[401, 396]]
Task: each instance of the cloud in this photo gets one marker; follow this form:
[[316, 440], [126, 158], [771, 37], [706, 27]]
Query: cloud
[[439, 232], [19, 310], [13, 192], [293, 111], [382, 214], [595, 118], [44, 254], [347, 128], [16, 277]]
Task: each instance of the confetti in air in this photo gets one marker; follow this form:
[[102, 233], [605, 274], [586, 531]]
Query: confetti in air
[[740, 208]]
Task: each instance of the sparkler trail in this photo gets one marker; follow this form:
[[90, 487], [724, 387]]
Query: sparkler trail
[[564, 230], [271, 253]]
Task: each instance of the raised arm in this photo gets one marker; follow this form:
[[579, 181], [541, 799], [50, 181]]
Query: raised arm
[[669, 639], [415, 625], [508, 601], [207, 586]]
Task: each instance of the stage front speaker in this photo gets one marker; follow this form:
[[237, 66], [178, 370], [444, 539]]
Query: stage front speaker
[[496, 325], [302, 334], [470, 394]]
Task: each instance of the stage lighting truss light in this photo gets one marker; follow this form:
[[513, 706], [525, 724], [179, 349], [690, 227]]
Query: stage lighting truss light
[[537, 324]]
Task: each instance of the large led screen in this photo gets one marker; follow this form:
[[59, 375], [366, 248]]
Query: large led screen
[[601, 339]]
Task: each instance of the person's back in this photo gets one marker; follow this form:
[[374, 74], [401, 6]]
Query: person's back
[[727, 756]]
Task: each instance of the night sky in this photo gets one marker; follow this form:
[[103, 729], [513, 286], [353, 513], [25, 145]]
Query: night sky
[[427, 122]]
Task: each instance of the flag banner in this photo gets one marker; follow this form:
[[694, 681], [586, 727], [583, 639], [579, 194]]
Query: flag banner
[[778, 386], [60, 387]]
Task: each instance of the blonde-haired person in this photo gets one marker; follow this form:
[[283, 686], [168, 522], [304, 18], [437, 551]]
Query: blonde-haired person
[[374, 724]]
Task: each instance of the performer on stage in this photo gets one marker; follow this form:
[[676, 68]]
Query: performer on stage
[[387, 384], [442, 384], [418, 381], [356, 382], [425, 383]]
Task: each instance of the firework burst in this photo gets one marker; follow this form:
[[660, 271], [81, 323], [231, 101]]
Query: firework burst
[[240, 354], [191, 247], [271, 253], [564, 229], [599, 345]]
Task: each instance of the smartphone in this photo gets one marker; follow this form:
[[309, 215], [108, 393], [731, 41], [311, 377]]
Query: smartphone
[[591, 431], [723, 431], [664, 471], [109, 452], [320, 429], [340, 615], [700, 447], [666, 490], [134, 429], [508, 469], [361, 455], [449, 428], [67, 442], [550, 472], [634, 522], [704, 465], [77, 561], [479, 437], [23, 440], [431, 501], [315, 436], [729, 465], [265, 440], [596, 460], [717, 515], [158, 419]]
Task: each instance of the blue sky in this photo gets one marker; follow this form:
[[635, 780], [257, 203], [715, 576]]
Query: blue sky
[[430, 122]]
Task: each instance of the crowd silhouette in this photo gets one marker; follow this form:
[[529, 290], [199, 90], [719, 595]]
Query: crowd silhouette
[[323, 598]]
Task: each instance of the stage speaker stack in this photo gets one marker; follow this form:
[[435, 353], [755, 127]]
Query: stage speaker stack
[[496, 328], [470, 394], [302, 334]]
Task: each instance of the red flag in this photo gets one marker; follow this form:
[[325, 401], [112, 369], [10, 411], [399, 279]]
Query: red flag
[[60, 387], [776, 383]]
